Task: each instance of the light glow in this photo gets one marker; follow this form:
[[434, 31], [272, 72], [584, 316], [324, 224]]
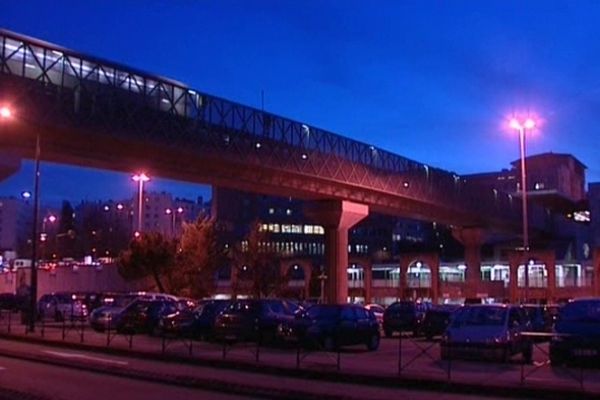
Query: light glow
[[529, 123], [515, 124], [5, 112], [140, 177]]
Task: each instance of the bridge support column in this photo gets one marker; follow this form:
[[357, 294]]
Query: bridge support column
[[472, 239], [336, 217], [514, 259], [596, 261], [435, 282], [368, 282]]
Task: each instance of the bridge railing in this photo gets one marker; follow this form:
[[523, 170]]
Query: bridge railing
[[52, 65]]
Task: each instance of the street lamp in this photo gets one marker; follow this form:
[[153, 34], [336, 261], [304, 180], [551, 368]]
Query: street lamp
[[173, 214], [522, 127], [140, 179], [44, 236], [6, 113]]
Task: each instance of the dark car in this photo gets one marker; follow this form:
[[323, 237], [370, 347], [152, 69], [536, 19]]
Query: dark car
[[12, 302], [336, 325], [541, 317], [61, 307], [198, 323], [487, 331], [436, 321], [577, 333], [255, 320], [404, 316], [143, 315]]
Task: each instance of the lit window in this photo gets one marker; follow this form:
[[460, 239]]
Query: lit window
[[288, 211], [539, 186], [271, 211]]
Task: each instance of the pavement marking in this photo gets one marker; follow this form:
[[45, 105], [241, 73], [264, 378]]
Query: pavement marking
[[84, 357]]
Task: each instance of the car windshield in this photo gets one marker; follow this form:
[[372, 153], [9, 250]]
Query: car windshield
[[118, 301], [581, 311], [481, 316]]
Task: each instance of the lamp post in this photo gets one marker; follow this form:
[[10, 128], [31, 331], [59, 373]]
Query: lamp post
[[43, 235], [140, 179], [173, 214], [6, 114], [521, 127]]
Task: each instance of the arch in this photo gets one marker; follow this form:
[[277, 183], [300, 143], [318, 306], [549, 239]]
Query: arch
[[429, 259], [547, 258], [299, 271]]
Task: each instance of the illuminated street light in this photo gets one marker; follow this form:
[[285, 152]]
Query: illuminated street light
[[5, 112], [44, 236], [522, 128], [140, 179], [173, 214]]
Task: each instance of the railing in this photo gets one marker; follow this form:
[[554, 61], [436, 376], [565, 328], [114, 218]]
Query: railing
[[399, 360]]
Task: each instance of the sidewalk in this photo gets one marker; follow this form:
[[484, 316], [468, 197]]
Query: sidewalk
[[267, 375]]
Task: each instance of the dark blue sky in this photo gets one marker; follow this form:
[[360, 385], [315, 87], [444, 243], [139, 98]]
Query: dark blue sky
[[430, 80]]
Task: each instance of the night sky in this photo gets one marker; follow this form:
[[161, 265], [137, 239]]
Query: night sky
[[433, 81]]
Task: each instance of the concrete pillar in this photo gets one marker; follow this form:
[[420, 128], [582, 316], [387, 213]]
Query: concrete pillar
[[234, 282], [435, 281], [596, 265], [403, 266], [513, 279], [551, 268], [368, 282], [472, 239], [336, 217]]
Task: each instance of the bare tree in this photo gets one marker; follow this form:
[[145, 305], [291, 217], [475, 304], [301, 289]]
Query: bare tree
[[259, 264]]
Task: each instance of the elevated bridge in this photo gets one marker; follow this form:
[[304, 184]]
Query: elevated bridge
[[96, 113]]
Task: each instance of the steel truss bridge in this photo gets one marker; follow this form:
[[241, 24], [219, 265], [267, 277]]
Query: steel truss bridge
[[100, 114]]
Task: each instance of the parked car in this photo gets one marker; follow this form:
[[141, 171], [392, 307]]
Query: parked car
[[336, 325], [103, 317], [12, 302], [404, 316], [541, 316], [577, 333], [61, 306], [143, 316], [255, 320], [198, 323], [487, 332], [378, 311], [436, 321]]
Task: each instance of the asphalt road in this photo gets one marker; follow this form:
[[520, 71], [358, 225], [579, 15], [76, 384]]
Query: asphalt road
[[56, 383], [60, 383]]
